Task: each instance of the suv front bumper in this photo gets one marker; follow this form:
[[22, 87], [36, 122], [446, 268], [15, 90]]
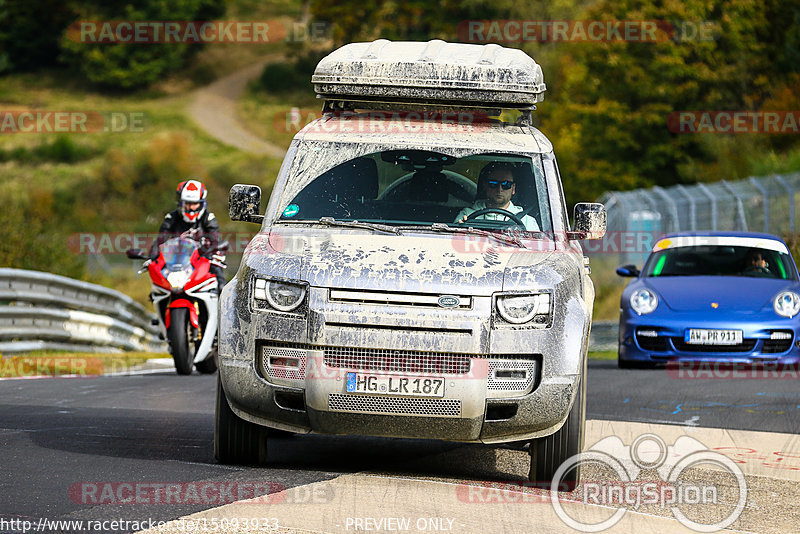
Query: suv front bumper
[[477, 406]]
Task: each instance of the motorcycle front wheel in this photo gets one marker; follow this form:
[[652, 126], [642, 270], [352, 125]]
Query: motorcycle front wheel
[[178, 335]]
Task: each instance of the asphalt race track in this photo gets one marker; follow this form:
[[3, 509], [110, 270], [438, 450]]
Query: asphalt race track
[[79, 449]]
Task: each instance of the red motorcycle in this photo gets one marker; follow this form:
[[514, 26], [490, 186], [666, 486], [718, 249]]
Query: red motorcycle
[[185, 296]]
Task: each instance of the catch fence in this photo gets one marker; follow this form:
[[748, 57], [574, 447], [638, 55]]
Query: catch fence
[[637, 218]]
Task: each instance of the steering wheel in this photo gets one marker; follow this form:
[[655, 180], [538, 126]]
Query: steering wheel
[[516, 220], [757, 271]]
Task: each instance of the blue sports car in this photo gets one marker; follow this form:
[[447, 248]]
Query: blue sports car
[[712, 296]]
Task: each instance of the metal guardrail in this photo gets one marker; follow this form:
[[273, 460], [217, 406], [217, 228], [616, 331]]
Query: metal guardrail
[[41, 311], [603, 335], [46, 311]]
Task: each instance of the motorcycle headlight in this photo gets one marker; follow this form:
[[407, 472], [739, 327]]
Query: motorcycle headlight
[[283, 296], [520, 309], [644, 301], [177, 279], [787, 304]]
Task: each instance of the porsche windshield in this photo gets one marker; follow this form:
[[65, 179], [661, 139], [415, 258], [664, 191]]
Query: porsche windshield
[[719, 260], [417, 187]]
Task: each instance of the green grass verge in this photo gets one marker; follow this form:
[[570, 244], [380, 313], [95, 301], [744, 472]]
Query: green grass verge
[[603, 355]]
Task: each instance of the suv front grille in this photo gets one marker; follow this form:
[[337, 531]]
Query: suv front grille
[[520, 375], [394, 405], [512, 373], [402, 361]]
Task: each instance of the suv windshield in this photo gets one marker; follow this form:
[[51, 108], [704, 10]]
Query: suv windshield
[[713, 260], [418, 187]]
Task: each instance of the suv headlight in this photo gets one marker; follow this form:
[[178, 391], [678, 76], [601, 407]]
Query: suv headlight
[[787, 304], [283, 296], [644, 301], [522, 308]]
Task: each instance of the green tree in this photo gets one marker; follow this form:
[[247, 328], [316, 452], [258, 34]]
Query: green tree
[[30, 32], [405, 20], [610, 101], [127, 65]]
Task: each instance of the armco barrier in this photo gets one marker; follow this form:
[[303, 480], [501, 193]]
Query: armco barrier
[[603, 335], [45, 311]]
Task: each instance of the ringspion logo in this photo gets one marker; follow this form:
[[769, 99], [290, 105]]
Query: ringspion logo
[[671, 491]]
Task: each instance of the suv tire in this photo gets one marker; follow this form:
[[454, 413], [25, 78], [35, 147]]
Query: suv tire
[[548, 453], [236, 441]]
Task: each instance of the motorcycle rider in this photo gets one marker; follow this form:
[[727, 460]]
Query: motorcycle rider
[[193, 215]]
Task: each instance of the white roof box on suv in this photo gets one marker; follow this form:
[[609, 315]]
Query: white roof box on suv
[[432, 72]]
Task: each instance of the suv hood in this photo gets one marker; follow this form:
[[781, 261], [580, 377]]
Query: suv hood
[[416, 262]]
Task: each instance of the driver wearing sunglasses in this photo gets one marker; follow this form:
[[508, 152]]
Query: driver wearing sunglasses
[[496, 186]]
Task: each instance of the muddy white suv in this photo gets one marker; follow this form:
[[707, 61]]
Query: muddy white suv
[[415, 274]]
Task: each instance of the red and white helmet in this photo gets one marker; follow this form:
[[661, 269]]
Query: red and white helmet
[[192, 193]]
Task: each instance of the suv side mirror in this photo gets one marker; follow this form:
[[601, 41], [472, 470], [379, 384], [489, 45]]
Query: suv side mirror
[[589, 221], [244, 203], [627, 271]]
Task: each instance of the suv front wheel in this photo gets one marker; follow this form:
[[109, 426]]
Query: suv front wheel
[[549, 452], [236, 441]]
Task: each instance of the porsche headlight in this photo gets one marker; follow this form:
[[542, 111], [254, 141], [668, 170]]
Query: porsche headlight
[[644, 301], [283, 296], [520, 309], [787, 304]]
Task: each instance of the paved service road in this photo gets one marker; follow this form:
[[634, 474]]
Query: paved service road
[[67, 441]]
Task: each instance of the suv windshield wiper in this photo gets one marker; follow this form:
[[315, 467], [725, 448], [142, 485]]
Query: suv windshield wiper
[[511, 239], [360, 224]]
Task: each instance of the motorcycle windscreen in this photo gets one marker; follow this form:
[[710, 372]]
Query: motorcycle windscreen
[[177, 252]]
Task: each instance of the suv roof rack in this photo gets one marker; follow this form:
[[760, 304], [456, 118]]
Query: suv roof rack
[[435, 72]]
